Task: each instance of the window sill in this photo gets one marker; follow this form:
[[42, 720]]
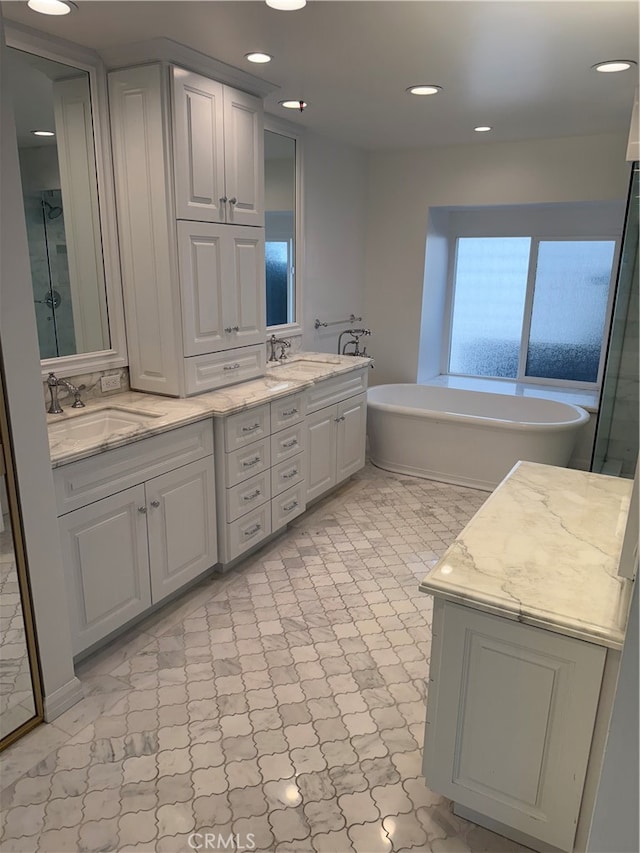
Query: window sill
[[578, 397]]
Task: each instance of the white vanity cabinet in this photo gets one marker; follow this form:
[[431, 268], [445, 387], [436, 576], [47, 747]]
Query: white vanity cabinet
[[510, 719], [336, 431], [192, 263], [218, 150], [136, 524], [224, 305], [260, 455]]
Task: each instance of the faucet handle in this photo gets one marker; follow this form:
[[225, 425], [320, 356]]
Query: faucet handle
[[77, 402]]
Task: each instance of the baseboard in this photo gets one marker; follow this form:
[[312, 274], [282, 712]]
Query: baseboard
[[62, 699]]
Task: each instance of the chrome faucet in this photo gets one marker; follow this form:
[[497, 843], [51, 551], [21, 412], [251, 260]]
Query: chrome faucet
[[282, 343], [54, 383]]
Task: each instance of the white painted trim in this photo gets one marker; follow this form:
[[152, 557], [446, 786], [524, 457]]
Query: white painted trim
[[168, 50], [633, 145], [62, 699]]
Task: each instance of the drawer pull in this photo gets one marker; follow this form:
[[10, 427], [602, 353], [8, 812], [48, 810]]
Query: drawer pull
[[288, 444], [289, 412], [290, 506], [290, 474], [251, 531], [251, 462], [253, 428], [252, 496], [233, 366]]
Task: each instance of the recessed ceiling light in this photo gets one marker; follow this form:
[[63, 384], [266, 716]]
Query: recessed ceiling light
[[424, 89], [52, 7], [258, 57], [613, 65], [483, 128], [286, 5], [293, 105], [43, 133]]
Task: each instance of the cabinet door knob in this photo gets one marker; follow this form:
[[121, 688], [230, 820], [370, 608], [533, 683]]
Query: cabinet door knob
[[142, 509], [233, 200], [155, 504], [223, 199]]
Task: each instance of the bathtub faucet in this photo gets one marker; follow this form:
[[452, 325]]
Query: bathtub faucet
[[356, 334]]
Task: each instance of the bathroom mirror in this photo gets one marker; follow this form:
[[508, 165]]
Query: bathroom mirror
[[20, 692], [283, 225], [66, 194]]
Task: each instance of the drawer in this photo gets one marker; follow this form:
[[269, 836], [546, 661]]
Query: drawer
[[287, 443], [246, 426], [217, 369], [287, 411], [287, 474], [286, 506], [248, 495], [87, 480], [246, 462], [246, 532], [337, 388]]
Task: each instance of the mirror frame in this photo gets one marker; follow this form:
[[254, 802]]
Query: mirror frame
[[285, 128], [67, 53]]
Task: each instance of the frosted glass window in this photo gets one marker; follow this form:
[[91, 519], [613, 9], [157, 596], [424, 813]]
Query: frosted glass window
[[488, 307], [277, 279], [569, 309]]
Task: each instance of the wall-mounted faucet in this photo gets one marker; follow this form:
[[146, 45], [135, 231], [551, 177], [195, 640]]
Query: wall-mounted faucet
[[54, 383], [356, 334], [282, 343]]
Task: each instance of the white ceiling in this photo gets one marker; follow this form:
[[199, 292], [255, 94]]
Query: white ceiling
[[521, 66]]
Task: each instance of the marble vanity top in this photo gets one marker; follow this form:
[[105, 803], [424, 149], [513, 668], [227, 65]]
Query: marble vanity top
[[544, 550], [155, 414]]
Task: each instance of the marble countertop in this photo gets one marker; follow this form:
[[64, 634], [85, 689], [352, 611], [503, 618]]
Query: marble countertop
[[544, 550], [158, 414]]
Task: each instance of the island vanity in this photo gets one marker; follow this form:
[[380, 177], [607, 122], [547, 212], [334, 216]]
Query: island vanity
[[528, 623], [152, 492]]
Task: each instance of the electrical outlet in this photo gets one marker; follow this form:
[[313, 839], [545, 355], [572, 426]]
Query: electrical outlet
[[110, 383]]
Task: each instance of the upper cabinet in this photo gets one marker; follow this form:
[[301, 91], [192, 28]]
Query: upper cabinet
[[188, 157], [218, 145]]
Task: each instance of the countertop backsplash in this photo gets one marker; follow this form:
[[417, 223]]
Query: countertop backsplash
[[92, 389]]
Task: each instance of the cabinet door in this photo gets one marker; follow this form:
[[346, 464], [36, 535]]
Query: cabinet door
[[182, 526], [244, 288], [351, 436], [510, 718], [104, 548], [321, 451], [243, 158], [203, 267], [198, 147]]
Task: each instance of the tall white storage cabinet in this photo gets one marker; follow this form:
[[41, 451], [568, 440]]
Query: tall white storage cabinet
[[188, 156]]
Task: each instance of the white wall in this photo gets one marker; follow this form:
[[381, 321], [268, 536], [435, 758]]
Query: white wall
[[28, 424], [403, 185], [335, 192]]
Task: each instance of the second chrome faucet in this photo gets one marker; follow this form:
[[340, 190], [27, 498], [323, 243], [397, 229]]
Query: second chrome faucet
[[54, 383]]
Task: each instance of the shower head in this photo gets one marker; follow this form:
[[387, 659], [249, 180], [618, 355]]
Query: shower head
[[53, 212]]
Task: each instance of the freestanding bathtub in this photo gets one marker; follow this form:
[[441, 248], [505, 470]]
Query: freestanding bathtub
[[471, 438]]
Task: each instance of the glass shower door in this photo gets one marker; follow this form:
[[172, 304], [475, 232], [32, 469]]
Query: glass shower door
[[616, 444]]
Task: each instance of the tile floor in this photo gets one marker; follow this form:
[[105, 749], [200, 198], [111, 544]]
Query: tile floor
[[282, 703]]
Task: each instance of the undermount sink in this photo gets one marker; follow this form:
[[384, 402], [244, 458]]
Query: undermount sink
[[98, 424]]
